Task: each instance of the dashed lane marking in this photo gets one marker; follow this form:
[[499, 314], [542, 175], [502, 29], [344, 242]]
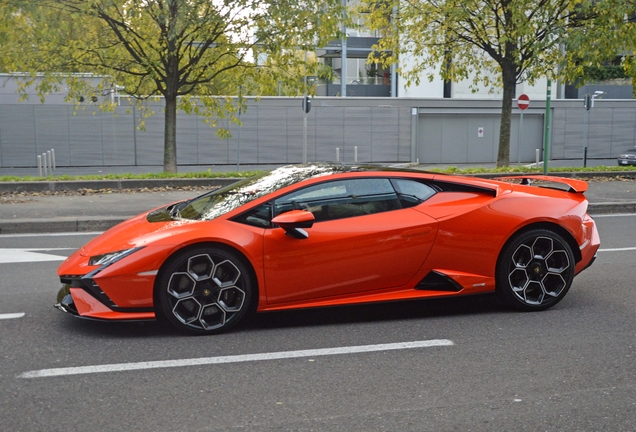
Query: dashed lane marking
[[233, 359], [596, 216], [11, 315], [62, 234], [14, 255]]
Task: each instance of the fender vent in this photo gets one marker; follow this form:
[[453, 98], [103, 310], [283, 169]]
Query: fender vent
[[435, 281]]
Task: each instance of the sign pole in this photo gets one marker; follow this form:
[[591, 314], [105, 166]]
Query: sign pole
[[523, 102], [519, 140]]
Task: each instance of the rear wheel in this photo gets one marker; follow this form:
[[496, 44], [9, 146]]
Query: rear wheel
[[535, 270], [204, 290]]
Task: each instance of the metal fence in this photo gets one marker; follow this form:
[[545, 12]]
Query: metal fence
[[371, 129], [269, 134]]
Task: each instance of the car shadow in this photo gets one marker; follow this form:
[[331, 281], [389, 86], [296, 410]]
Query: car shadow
[[378, 312], [375, 312], [121, 329]]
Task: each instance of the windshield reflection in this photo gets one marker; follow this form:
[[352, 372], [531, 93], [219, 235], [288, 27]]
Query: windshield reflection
[[219, 202]]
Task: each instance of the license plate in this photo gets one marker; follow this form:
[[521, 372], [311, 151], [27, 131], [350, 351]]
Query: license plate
[[624, 162]]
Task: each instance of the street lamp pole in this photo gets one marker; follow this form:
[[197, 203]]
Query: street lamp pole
[[343, 56], [546, 137], [238, 146], [589, 104]]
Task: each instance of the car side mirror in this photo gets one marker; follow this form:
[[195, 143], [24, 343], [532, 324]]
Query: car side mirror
[[294, 221]]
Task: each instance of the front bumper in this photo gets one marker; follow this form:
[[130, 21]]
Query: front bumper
[[65, 301], [82, 304]]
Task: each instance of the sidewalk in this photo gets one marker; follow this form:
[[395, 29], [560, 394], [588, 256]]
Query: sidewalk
[[103, 170], [99, 211]]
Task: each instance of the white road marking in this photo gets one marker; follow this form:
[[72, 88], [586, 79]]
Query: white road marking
[[596, 216], [66, 234], [11, 315], [232, 359], [15, 255], [617, 249]]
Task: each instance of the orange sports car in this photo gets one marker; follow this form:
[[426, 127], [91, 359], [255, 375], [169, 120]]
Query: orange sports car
[[325, 235]]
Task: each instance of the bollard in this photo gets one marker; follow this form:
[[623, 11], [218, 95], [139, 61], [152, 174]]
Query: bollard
[[53, 158], [40, 165], [537, 156], [44, 164], [50, 161], [337, 154], [355, 154]]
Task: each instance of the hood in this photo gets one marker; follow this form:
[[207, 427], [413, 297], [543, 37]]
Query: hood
[[135, 232]]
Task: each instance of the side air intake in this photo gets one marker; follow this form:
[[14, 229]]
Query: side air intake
[[435, 281]]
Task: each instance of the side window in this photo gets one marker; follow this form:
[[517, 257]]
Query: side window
[[342, 198], [411, 192], [313, 198], [260, 216]]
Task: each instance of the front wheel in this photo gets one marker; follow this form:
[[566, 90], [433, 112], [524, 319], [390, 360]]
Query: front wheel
[[535, 270], [204, 290]]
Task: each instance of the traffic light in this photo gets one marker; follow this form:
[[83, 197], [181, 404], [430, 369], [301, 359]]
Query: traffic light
[[306, 104], [588, 102]]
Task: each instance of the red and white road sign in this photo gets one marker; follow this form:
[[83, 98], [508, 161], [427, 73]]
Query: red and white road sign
[[523, 102]]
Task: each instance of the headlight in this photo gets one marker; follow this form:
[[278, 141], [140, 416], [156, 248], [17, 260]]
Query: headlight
[[111, 257]]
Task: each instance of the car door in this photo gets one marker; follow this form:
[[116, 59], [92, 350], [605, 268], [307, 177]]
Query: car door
[[363, 239]]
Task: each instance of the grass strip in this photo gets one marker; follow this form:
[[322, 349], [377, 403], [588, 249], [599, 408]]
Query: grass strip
[[244, 174]]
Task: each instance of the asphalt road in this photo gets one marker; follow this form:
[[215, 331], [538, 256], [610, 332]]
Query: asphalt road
[[571, 368]]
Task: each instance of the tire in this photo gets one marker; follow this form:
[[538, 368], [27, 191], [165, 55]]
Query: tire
[[204, 290], [535, 270]]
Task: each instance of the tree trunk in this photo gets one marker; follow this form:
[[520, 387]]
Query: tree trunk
[[171, 90], [509, 84], [170, 136]]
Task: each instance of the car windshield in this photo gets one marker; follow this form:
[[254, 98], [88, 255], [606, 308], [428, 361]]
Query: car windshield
[[224, 200]]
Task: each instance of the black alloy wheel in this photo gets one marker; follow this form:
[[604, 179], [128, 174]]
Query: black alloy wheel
[[535, 270], [204, 290]]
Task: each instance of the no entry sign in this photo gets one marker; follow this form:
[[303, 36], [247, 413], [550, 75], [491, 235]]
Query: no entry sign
[[523, 102]]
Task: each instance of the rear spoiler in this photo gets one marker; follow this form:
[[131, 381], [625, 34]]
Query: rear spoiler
[[577, 186]]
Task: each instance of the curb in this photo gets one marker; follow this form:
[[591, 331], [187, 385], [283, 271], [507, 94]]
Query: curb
[[68, 185], [59, 225], [97, 223], [73, 185], [611, 208], [574, 174]]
